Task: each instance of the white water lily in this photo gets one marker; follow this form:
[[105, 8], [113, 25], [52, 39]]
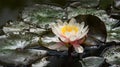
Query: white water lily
[[71, 33]]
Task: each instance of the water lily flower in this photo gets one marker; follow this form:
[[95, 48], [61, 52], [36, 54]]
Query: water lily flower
[[71, 33]]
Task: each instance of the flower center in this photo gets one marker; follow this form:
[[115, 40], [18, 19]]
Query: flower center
[[69, 28]]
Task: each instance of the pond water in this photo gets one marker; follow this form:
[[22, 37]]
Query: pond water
[[25, 35]]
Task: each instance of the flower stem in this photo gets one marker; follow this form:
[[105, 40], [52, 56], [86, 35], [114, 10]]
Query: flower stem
[[70, 50]]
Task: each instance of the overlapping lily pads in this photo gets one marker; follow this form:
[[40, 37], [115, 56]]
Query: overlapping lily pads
[[23, 42], [13, 50]]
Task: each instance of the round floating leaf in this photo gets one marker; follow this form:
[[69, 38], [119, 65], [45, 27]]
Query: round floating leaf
[[42, 14], [97, 31], [92, 62], [112, 54]]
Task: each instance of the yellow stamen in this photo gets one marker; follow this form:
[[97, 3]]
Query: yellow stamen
[[69, 28]]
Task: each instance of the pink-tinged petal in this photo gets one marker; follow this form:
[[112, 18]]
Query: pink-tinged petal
[[81, 26], [84, 34], [66, 40], [65, 23], [78, 48], [59, 22], [81, 40], [73, 38], [72, 21], [55, 31], [76, 42], [85, 29]]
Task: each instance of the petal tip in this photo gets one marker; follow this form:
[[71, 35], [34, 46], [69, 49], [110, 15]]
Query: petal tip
[[79, 49]]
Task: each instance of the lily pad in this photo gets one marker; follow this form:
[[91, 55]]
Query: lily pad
[[89, 3], [112, 54], [20, 58], [59, 3], [13, 50], [42, 14], [97, 31], [92, 62]]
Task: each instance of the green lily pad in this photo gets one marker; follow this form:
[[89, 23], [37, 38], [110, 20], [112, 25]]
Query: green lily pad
[[112, 55], [42, 14], [19, 58], [92, 61], [13, 50], [59, 3], [89, 3]]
